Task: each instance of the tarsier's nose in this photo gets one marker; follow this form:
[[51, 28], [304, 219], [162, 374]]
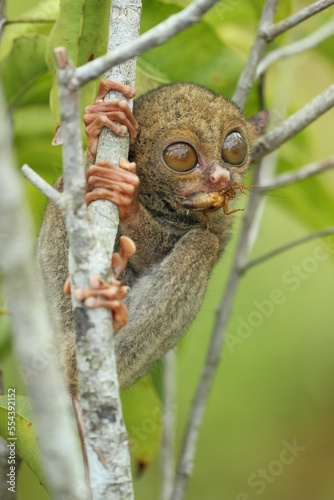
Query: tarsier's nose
[[220, 175]]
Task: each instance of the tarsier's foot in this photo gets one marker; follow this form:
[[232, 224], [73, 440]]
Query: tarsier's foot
[[106, 181], [109, 295], [115, 115]]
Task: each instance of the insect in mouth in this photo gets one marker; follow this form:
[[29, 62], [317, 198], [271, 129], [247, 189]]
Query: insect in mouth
[[205, 201]]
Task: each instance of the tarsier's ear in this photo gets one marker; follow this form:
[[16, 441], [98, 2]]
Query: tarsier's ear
[[260, 121]]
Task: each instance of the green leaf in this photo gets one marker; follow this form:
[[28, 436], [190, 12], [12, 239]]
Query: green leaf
[[46, 9], [142, 416], [25, 432], [195, 55], [23, 66], [82, 27]]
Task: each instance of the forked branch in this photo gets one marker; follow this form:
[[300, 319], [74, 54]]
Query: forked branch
[[271, 32]]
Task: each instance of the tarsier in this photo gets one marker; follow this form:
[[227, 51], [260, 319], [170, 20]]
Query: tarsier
[[190, 149]]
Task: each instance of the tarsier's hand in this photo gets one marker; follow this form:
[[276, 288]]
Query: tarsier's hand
[[109, 295], [106, 181], [105, 114]]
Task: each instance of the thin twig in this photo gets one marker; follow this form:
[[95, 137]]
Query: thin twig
[[258, 49], [268, 164], [306, 43], [168, 431], [45, 188], [287, 246], [152, 38], [294, 124], [270, 32], [298, 175]]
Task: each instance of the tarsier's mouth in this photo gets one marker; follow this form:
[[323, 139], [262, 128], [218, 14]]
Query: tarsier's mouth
[[210, 201]]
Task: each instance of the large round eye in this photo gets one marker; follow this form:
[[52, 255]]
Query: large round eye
[[180, 156], [234, 149]]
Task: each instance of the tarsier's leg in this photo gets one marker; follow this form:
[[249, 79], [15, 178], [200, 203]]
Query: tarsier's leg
[[115, 115]]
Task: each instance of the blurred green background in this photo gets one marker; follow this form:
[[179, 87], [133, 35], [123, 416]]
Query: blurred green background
[[274, 386]]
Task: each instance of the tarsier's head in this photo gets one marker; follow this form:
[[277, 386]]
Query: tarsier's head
[[192, 142]]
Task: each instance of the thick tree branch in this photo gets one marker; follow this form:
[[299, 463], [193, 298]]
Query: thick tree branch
[[152, 38], [258, 49], [34, 340], [294, 124], [124, 27], [105, 433], [271, 32], [306, 43]]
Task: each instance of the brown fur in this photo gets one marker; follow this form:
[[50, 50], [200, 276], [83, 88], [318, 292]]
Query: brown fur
[[175, 253]]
